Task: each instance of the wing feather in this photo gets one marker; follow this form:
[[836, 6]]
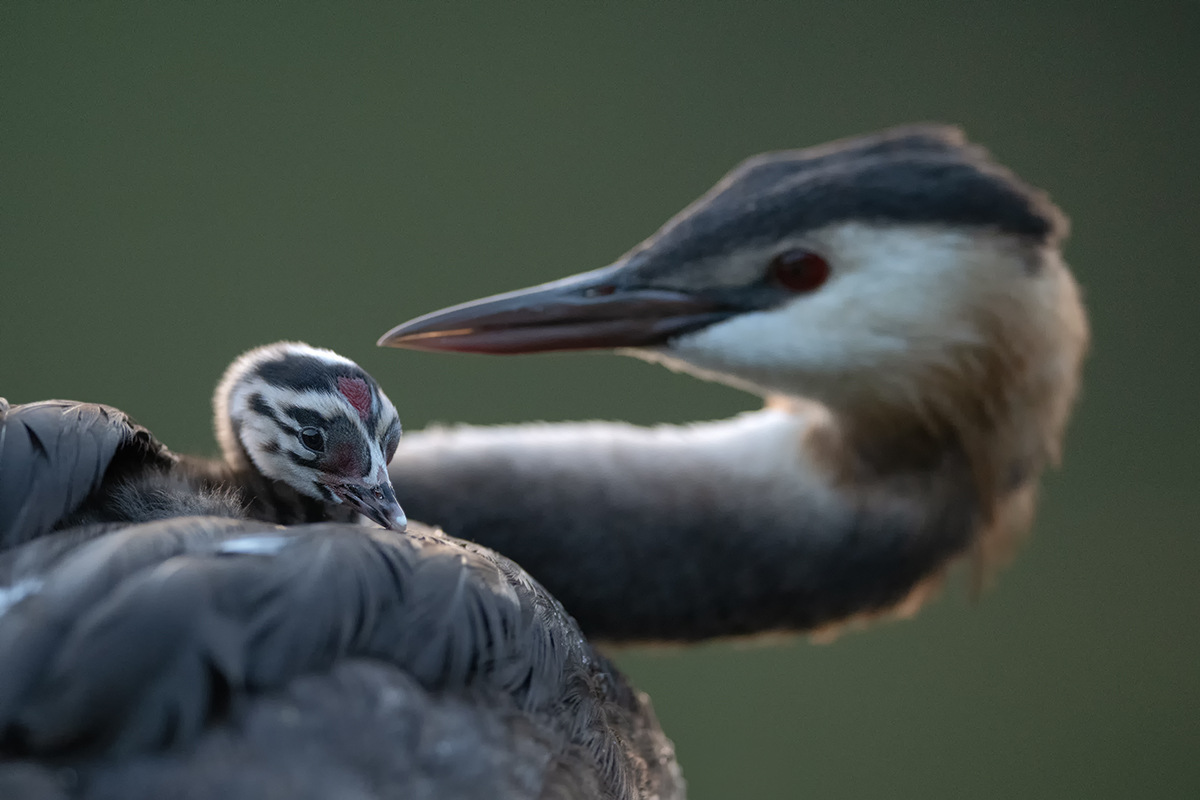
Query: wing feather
[[139, 641], [55, 453], [131, 637]]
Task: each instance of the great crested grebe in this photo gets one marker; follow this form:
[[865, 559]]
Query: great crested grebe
[[900, 302]]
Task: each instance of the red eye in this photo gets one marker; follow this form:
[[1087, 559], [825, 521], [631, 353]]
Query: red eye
[[799, 270]]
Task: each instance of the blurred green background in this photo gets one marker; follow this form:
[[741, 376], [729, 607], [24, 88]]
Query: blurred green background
[[180, 183]]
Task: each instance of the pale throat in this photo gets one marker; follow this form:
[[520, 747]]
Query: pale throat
[[961, 415]]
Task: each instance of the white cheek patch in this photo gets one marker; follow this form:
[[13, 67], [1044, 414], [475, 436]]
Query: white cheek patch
[[898, 299]]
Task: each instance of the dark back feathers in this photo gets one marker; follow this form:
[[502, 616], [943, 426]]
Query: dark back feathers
[[56, 453], [146, 644]]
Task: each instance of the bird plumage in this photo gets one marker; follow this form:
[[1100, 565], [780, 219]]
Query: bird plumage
[[194, 655], [56, 454], [168, 659]]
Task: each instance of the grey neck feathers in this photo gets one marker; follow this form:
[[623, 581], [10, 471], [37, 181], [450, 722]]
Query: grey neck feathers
[[686, 533]]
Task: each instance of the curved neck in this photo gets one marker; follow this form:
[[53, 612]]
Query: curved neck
[[772, 520]]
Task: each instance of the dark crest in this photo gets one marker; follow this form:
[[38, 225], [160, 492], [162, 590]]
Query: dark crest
[[912, 174]]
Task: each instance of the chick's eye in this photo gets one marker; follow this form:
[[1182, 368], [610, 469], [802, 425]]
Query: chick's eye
[[312, 439], [799, 270]]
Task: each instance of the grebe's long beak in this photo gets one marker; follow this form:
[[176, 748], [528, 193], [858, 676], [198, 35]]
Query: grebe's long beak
[[594, 310]]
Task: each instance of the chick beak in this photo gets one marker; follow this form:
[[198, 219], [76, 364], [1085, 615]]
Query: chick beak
[[377, 503]]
